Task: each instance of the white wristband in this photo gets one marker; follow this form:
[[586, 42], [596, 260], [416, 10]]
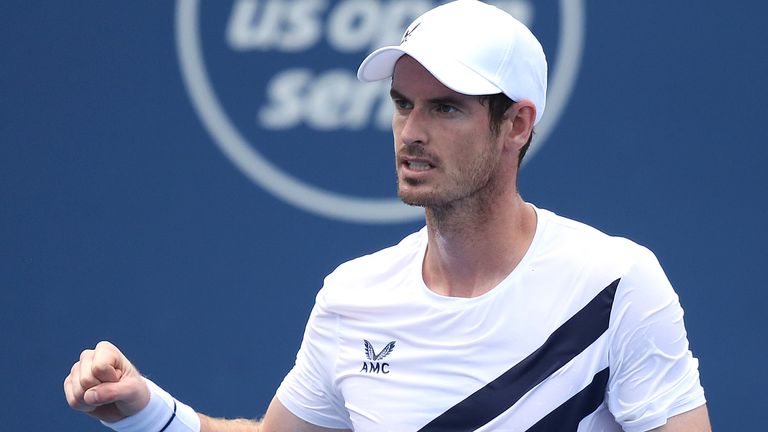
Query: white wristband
[[163, 413]]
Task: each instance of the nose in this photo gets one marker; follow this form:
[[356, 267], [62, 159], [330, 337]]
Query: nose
[[411, 127]]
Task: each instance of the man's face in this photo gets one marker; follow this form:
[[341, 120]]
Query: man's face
[[445, 152]]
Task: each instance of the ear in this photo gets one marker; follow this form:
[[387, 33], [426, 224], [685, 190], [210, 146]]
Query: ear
[[519, 120]]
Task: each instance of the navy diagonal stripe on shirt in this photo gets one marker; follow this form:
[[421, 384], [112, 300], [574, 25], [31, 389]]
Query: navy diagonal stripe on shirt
[[565, 343], [566, 417]]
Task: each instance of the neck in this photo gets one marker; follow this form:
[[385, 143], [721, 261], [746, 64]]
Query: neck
[[472, 249]]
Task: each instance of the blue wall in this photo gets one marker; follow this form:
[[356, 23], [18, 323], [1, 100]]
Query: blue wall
[[123, 218]]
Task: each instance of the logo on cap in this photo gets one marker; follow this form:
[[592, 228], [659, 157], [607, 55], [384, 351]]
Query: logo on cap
[[409, 32]]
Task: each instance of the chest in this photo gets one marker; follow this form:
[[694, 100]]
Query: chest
[[407, 367]]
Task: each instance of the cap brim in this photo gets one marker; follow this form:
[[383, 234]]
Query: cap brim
[[455, 75]]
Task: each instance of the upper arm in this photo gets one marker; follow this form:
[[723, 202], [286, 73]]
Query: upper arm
[[308, 390], [654, 376], [695, 420], [280, 419]]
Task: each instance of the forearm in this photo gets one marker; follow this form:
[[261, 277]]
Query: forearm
[[209, 424]]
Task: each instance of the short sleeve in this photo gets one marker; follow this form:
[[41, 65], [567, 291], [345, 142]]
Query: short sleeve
[[307, 391], [654, 375]]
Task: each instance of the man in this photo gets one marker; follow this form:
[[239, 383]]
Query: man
[[496, 316]]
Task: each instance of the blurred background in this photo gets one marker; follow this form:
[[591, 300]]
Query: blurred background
[[178, 178]]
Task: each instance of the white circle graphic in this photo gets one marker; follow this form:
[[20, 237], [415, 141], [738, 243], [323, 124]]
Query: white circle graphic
[[328, 203]]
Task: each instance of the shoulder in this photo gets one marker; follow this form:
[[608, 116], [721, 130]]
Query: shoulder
[[583, 261], [383, 261], [598, 259], [578, 246], [369, 274]]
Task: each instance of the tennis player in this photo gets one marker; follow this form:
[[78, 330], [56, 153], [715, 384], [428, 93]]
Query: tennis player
[[496, 316]]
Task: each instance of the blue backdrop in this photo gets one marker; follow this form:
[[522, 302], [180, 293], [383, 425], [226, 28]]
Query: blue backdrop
[[178, 177]]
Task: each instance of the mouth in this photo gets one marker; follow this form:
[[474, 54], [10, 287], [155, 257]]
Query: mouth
[[417, 165]]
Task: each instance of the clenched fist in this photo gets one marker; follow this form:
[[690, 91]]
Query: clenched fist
[[105, 384]]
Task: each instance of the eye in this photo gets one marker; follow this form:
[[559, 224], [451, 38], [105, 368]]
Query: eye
[[401, 104], [445, 108]]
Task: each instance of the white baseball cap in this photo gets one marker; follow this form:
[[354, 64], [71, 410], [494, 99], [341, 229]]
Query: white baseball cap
[[472, 48]]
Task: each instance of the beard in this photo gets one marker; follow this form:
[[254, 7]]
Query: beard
[[470, 184]]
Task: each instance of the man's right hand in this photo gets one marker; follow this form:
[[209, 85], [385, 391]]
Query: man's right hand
[[105, 384]]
